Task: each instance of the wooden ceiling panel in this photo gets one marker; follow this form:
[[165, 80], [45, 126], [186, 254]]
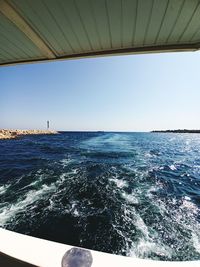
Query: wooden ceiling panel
[[39, 30]]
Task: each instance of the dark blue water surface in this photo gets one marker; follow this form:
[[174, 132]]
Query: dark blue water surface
[[134, 194]]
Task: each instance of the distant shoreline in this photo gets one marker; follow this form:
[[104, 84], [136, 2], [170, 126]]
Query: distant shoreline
[[12, 134], [176, 131]]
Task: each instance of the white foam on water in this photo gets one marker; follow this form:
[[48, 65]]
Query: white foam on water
[[172, 167], [148, 155], [39, 175], [148, 242], [119, 182], [51, 204], [188, 220], [187, 198], [66, 161], [188, 142], [154, 188], [181, 214], [130, 198], [9, 211], [39, 178], [188, 206], [139, 223], [3, 189], [145, 245], [196, 242], [144, 248], [66, 176], [74, 209], [177, 214], [63, 177]]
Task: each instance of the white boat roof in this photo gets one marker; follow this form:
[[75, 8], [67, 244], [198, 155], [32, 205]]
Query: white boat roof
[[42, 30]]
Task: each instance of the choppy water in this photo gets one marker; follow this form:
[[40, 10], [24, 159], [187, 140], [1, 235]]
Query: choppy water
[[134, 194]]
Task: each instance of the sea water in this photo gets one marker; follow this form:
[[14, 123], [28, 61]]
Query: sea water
[[134, 194]]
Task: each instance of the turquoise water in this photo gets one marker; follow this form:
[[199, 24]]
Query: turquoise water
[[134, 194]]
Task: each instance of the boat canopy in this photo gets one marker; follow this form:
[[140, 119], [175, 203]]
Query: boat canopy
[[42, 30]]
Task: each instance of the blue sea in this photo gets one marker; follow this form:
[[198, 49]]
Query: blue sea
[[134, 194]]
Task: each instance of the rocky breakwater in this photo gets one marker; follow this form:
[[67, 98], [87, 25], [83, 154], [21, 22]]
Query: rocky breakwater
[[10, 134]]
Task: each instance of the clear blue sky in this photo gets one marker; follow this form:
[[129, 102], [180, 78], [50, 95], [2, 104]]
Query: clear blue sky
[[122, 93]]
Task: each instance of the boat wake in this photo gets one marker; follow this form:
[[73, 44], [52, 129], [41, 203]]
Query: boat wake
[[119, 193]]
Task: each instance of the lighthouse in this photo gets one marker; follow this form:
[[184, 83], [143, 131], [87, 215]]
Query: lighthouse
[[47, 125]]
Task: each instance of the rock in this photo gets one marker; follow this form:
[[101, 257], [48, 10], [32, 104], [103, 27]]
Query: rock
[[10, 134]]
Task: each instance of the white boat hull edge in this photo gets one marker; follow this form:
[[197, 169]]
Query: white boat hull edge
[[43, 253]]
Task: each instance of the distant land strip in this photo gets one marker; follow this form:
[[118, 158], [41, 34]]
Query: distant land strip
[[10, 134], [176, 131]]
